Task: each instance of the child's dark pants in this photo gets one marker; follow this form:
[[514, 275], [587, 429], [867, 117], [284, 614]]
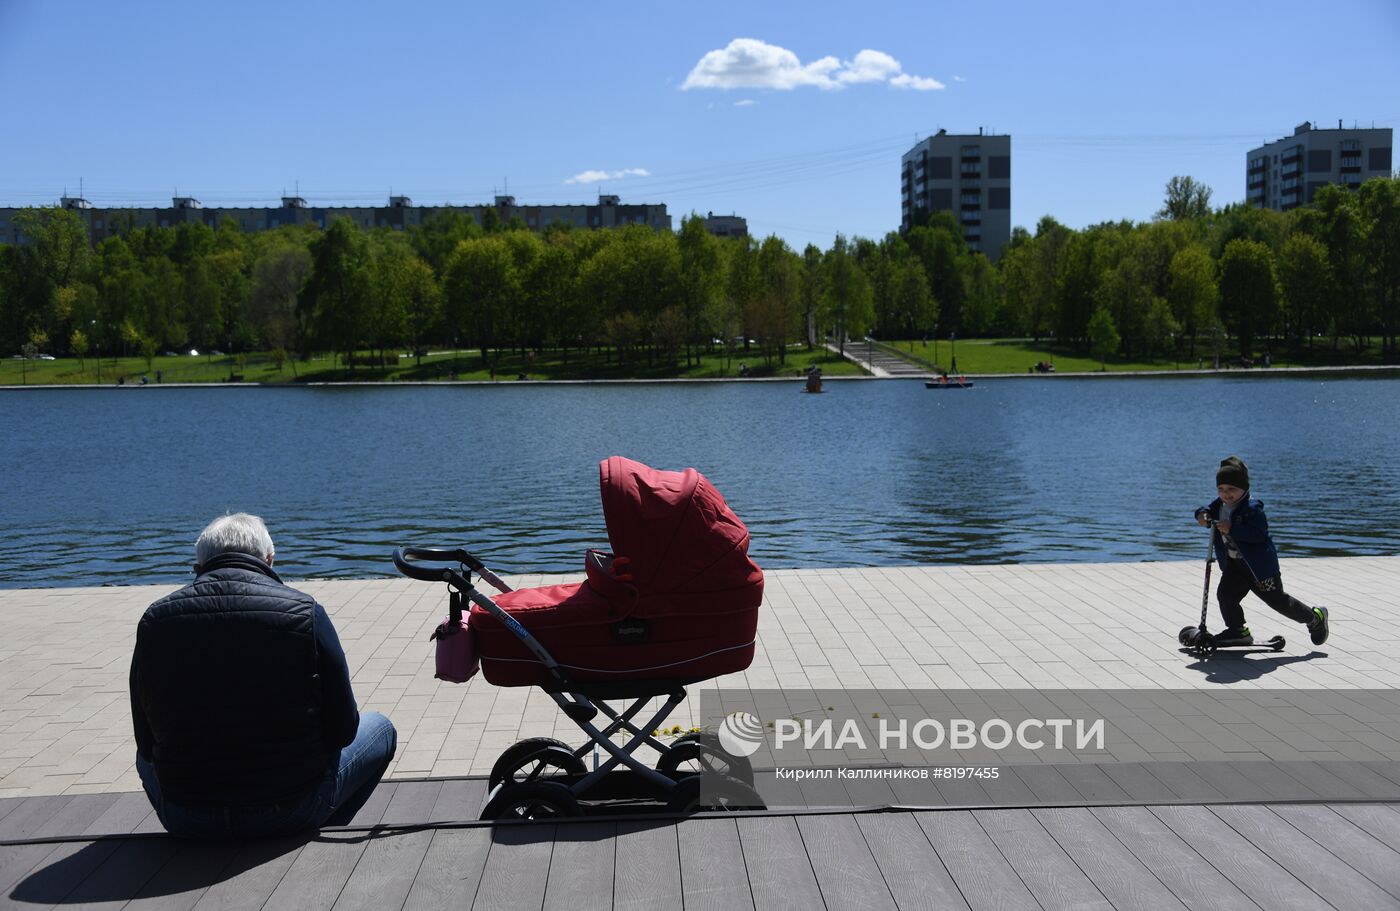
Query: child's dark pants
[[1237, 581]]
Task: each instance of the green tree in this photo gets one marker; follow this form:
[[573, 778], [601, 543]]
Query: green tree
[[1305, 283], [335, 297], [481, 287], [78, 344], [701, 277], [846, 302], [779, 303], [1379, 201], [278, 276], [1192, 291], [1186, 198], [1248, 291], [1103, 336]]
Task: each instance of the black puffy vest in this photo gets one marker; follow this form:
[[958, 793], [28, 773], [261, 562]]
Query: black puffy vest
[[226, 670]]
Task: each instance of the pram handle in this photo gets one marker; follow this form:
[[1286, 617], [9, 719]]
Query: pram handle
[[403, 557]]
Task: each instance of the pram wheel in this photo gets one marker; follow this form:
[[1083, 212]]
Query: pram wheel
[[536, 758], [531, 800], [707, 793], [703, 753]]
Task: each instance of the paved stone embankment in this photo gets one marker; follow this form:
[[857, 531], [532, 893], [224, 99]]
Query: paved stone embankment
[[65, 725]]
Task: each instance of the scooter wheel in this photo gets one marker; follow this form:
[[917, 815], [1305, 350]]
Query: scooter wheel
[[1187, 634], [1276, 643]]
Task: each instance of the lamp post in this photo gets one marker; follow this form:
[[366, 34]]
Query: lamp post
[[97, 343], [953, 341], [935, 343]]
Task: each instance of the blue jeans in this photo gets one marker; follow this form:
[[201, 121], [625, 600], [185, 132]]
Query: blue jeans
[[346, 786]]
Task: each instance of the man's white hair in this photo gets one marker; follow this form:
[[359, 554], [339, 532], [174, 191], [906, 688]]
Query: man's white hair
[[236, 533]]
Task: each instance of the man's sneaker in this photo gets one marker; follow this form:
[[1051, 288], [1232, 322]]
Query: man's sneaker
[[1234, 636], [1317, 626]]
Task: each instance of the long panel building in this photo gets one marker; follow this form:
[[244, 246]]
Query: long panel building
[[399, 214], [1288, 172], [967, 175]]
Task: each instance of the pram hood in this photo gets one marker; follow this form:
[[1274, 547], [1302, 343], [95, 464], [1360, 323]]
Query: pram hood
[[676, 530]]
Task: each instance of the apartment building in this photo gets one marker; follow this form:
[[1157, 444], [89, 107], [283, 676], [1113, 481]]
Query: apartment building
[[1287, 173], [967, 175], [399, 214]]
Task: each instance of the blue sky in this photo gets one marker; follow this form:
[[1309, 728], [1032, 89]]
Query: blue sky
[[791, 114]]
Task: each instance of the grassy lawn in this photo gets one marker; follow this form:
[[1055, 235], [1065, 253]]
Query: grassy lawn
[[1019, 355], [436, 365]]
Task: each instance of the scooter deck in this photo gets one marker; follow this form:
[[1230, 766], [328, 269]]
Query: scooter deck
[[1275, 644]]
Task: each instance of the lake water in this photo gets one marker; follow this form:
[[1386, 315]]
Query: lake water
[[111, 486]]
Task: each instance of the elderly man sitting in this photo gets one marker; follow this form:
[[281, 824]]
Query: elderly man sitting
[[240, 698]]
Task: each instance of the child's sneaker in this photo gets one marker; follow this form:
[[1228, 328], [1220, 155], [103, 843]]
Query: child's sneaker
[[1317, 626], [1239, 635]]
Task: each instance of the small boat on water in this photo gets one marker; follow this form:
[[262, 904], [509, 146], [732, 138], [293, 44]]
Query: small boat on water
[[948, 384]]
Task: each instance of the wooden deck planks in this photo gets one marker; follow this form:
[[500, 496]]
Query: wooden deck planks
[[517, 867], [1376, 860], [1116, 872], [1160, 857], [31, 815], [913, 871], [122, 875], [253, 874], [1189, 876], [647, 872], [1041, 863], [1238, 859], [1327, 874], [779, 868], [81, 812], [450, 873], [386, 870], [412, 803], [459, 800], [184, 879], [121, 818], [983, 876], [713, 875], [582, 867], [845, 868], [318, 874]]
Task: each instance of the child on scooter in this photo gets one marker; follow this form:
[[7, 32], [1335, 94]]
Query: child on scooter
[[1248, 560]]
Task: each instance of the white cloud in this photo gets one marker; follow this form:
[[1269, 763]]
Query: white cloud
[[917, 83], [747, 102], [595, 176], [870, 66], [747, 63], [959, 79]]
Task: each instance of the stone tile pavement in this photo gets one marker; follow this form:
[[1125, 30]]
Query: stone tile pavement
[[65, 725]]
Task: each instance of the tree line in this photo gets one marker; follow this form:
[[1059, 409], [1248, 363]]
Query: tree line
[[1192, 280]]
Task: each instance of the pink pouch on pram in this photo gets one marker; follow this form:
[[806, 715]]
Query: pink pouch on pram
[[457, 659]]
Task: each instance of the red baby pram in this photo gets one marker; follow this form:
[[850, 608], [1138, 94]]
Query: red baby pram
[[674, 603]]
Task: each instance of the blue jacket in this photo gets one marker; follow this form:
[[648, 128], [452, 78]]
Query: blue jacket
[[1249, 529], [240, 693]]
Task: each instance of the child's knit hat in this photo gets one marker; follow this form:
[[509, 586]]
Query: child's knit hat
[[1233, 471]]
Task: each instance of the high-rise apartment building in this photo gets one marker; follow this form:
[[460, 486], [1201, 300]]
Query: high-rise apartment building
[[1287, 173], [967, 175]]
